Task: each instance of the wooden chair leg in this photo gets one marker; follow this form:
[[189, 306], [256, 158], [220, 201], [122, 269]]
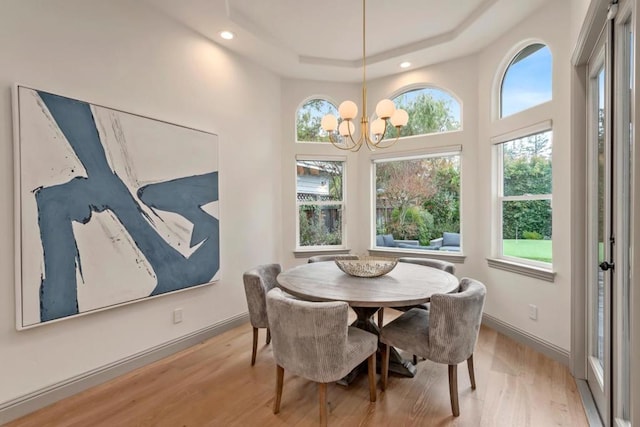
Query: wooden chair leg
[[322, 395], [385, 365], [279, 382], [268, 336], [372, 377], [472, 376], [453, 389], [255, 346], [380, 317]]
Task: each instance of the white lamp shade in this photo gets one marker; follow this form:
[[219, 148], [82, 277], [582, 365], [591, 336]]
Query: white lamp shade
[[346, 128], [348, 110], [400, 117], [378, 127], [329, 123], [385, 108]]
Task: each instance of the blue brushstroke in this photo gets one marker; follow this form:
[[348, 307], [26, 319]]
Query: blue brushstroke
[[60, 205]]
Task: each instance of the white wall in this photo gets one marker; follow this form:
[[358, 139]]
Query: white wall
[[510, 294], [125, 55], [470, 79], [294, 94], [578, 13]]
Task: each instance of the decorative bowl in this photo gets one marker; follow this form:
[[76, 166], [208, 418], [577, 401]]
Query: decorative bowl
[[365, 266]]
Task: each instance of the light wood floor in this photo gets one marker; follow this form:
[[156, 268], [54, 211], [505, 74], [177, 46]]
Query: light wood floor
[[213, 384]]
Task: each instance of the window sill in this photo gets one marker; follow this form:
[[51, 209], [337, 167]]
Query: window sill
[[525, 270], [306, 253], [455, 257]]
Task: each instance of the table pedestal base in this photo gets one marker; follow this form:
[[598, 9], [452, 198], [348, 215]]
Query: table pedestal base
[[397, 364]]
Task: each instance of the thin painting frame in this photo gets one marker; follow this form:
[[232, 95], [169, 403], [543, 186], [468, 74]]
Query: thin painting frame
[[111, 207]]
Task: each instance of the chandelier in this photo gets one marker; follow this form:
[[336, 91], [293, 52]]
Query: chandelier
[[372, 136]]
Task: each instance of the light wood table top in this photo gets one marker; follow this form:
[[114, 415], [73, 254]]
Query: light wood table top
[[407, 284]]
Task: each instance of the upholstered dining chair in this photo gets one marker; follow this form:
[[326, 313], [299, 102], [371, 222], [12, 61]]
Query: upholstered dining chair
[[313, 340], [257, 282], [446, 333], [429, 262]]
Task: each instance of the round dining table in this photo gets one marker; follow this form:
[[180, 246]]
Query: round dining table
[[407, 284]]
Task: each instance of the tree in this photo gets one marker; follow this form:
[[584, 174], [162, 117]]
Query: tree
[[426, 114], [309, 117], [527, 170], [421, 195], [444, 204]]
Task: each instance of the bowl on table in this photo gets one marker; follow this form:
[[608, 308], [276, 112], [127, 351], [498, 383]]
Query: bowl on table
[[366, 266]]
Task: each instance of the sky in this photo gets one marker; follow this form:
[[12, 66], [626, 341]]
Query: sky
[[527, 82]]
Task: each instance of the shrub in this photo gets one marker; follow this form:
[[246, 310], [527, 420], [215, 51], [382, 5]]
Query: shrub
[[532, 235], [410, 223]]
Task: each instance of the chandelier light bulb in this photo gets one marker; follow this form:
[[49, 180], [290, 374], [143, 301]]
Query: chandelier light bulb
[[346, 128], [378, 127], [385, 109], [400, 117], [348, 110], [329, 123]]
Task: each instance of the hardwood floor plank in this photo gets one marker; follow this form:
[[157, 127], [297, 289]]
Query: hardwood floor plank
[[213, 384]]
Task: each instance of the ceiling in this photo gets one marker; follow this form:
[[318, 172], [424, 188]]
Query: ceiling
[[322, 39]]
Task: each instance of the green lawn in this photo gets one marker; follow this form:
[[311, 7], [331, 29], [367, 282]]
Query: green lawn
[[538, 250]]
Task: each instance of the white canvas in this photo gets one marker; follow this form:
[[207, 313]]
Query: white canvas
[[113, 207]]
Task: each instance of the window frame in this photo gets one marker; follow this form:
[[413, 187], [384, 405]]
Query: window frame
[[302, 104], [343, 203], [434, 152], [536, 269]]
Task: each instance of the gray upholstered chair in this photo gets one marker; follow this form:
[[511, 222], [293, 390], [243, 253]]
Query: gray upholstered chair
[[313, 340], [446, 333], [429, 262], [257, 282]]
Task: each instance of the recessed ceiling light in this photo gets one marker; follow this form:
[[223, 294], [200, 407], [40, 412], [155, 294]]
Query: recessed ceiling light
[[405, 65], [227, 35]]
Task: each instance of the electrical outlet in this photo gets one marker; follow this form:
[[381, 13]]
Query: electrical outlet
[[533, 312], [177, 315]]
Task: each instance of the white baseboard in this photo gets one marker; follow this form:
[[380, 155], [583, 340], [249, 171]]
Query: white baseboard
[[550, 350], [38, 399]]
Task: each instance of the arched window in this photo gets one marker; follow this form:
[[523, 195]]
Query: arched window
[[431, 110], [308, 119], [527, 80]]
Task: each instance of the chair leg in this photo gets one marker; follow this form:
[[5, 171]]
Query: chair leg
[[279, 381], [453, 389], [268, 336], [380, 317], [255, 346], [372, 377], [322, 395], [385, 365], [472, 376]]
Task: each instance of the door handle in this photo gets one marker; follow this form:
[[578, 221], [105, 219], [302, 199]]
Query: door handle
[[604, 265]]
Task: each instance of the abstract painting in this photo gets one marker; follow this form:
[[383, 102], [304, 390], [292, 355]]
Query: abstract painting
[[111, 207]]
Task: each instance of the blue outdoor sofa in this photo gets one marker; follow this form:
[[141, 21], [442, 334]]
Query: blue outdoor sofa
[[448, 242]]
